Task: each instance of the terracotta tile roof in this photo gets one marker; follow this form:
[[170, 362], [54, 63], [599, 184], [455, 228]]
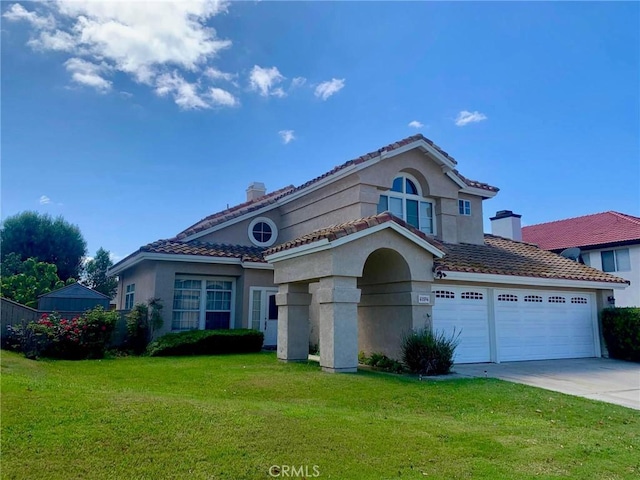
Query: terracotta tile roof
[[242, 252], [233, 212], [589, 230], [238, 210], [501, 256], [333, 232]]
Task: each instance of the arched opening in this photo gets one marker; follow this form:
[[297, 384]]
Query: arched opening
[[385, 310]]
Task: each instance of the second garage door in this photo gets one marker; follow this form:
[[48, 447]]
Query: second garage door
[[536, 325]]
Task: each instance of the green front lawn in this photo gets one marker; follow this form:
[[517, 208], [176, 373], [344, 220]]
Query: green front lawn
[[232, 417]]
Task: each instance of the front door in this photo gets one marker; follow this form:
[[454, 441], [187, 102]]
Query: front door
[[264, 314]]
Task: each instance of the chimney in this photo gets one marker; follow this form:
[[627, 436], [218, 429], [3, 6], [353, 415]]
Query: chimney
[[507, 224], [256, 190]]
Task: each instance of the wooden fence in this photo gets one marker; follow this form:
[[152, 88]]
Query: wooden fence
[[12, 313]]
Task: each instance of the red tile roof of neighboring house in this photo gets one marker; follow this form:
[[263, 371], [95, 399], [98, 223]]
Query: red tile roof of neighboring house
[[241, 252], [333, 232], [243, 208], [501, 256], [590, 230]]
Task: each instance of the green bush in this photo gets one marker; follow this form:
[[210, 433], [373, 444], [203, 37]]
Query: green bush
[[381, 362], [142, 321], [429, 353], [207, 342], [621, 331], [82, 337]]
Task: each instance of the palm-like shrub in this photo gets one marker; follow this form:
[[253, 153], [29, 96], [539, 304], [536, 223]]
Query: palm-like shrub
[[429, 353]]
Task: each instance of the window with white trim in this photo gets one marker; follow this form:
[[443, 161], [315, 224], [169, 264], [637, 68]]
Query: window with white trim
[[405, 201], [444, 294], [616, 260], [129, 296], [506, 297], [202, 303], [471, 296], [263, 232], [464, 207], [556, 299], [578, 300], [533, 298]]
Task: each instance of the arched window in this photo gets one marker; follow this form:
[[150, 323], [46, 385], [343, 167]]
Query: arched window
[[405, 201]]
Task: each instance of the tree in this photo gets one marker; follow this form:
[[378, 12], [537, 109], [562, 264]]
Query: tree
[[34, 235], [32, 280], [96, 274]]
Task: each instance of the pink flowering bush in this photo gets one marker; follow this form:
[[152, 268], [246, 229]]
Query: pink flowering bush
[[85, 336]]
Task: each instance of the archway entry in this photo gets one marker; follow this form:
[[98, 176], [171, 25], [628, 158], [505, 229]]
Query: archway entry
[[373, 283], [385, 311]]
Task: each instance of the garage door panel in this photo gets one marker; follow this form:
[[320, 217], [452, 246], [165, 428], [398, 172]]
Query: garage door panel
[[464, 311], [536, 325]]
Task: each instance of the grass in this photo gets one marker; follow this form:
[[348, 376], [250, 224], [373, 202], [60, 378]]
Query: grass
[[232, 417]]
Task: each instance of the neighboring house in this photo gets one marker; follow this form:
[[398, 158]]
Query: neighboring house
[[608, 241], [72, 300], [354, 258]]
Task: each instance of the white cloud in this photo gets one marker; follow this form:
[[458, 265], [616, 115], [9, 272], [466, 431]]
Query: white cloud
[[220, 97], [465, 117], [263, 81], [145, 41], [215, 74], [416, 124], [185, 94], [328, 88], [17, 12], [287, 136], [58, 40], [44, 200], [298, 82], [88, 74]]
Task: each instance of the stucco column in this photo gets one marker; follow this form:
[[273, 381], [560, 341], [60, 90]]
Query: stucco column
[[293, 301], [338, 299]]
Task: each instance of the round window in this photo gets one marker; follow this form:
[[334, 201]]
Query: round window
[[263, 232]]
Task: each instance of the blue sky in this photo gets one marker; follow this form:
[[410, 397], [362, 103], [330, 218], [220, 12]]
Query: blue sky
[[134, 123]]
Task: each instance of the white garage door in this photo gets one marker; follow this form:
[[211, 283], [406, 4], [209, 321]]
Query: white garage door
[[465, 310], [536, 325]]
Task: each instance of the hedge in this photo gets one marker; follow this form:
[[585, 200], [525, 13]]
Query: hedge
[[621, 331], [207, 342]]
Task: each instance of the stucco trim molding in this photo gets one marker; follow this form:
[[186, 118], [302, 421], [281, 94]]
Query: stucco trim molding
[[168, 257], [530, 281]]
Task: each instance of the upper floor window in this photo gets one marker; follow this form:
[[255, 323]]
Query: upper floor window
[[129, 296], [616, 260], [405, 201], [464, 207], [263, 232]]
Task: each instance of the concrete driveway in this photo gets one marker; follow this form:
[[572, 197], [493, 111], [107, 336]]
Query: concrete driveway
[[601, 379]]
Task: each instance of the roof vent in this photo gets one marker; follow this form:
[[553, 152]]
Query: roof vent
[[256, 190], [507, 224]]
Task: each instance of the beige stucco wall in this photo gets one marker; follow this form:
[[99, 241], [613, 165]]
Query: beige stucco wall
[[143, 275], [357, 195], [238, 233], [470, 228]]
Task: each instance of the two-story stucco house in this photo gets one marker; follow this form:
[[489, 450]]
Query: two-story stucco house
[[354, 258], [608, 241]]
